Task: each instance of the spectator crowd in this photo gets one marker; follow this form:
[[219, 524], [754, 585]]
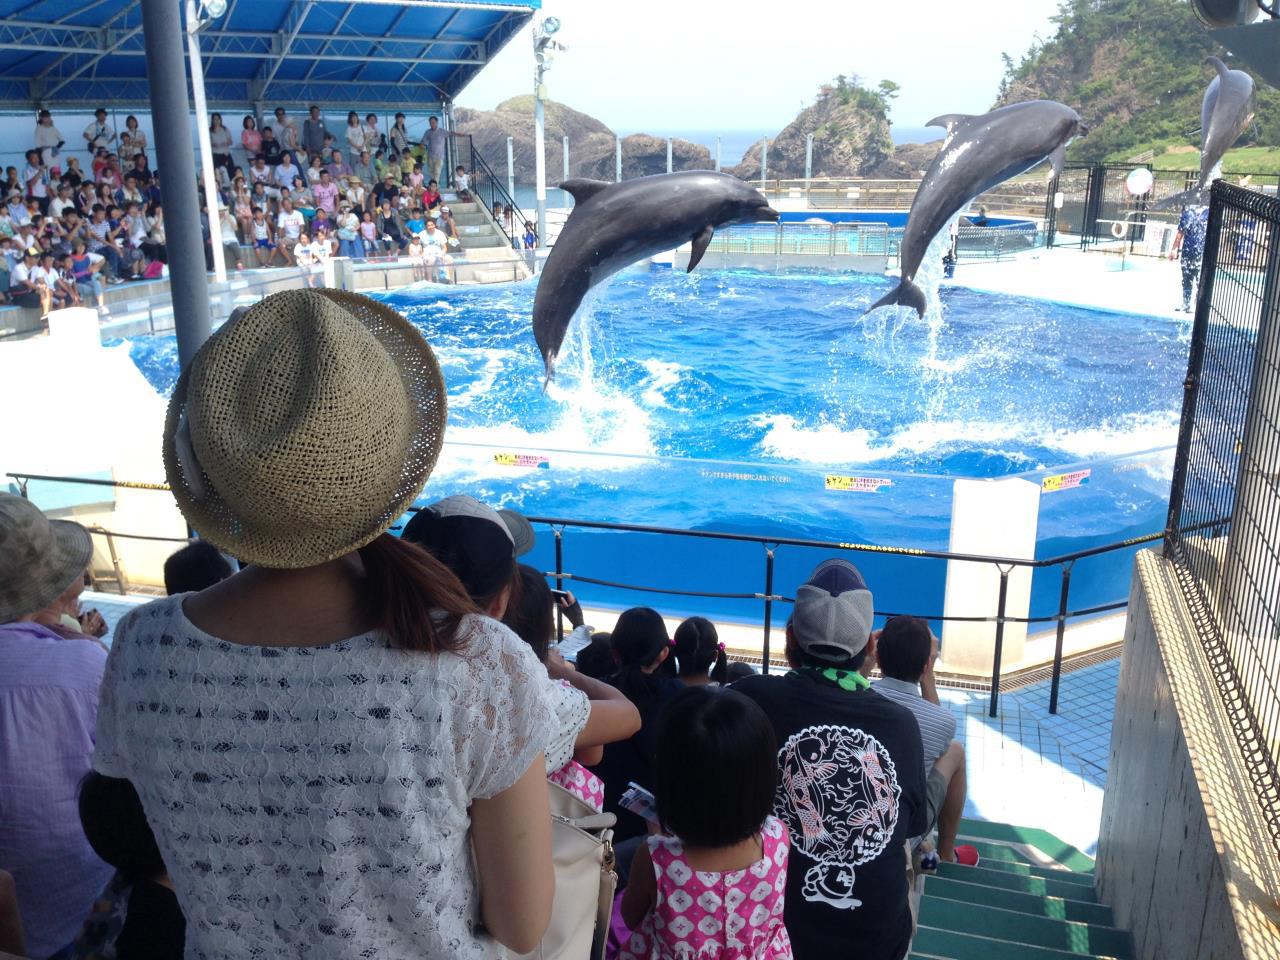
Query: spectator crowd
[[84, 212], [354, 744]]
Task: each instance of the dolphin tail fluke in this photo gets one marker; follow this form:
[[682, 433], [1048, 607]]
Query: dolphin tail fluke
[[906, 294]]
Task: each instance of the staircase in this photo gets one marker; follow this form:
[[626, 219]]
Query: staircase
[[486, 255], [1031, 897]]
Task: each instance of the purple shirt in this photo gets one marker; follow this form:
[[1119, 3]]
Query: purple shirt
[[48, 703], [326, 196]]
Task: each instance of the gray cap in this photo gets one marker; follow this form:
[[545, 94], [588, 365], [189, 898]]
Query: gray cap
[[833, 612], [461, 505], [521, 530]]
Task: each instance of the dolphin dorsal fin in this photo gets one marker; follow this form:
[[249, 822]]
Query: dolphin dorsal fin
[[582, 189], [1218, 65], [949, 120]]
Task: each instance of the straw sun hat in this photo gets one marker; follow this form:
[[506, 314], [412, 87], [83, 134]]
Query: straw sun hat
[[304, 427], [39, 557]]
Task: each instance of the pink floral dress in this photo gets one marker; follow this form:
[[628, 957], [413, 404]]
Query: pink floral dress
[[726, 916]]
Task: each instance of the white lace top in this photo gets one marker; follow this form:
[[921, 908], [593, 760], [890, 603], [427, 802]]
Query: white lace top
[[313, 801]]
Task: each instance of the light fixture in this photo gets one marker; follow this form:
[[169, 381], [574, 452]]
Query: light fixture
[[1226, 13], [549, 24]]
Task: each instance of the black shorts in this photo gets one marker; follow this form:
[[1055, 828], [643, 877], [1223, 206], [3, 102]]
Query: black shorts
[[25, 298]]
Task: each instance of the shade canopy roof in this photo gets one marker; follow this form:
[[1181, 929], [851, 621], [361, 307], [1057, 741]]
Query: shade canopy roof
[[409, 53]]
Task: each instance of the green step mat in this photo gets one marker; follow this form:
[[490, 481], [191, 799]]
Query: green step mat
[[1036, 905], [1042, 886], [988, 921], [931, 942], [1064, 853], [1026, 870]]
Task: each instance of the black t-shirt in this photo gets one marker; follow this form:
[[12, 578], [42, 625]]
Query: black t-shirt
[[154, 928], [632, 759], [851, 791]]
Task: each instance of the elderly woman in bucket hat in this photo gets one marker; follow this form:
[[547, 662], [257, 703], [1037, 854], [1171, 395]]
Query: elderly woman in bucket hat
[[48, 700], [338, 753]]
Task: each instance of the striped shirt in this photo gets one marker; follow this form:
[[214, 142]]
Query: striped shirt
[[937, 725]]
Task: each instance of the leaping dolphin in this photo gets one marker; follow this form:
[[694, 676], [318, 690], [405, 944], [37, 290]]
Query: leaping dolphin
[[980, 152], [1225, 112], [615, 224]]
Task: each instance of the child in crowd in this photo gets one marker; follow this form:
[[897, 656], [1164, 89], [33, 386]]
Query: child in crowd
[[713, 882], [698, 650], [117, 829], [462, 183], [596, 659], [192, 568], [645, 676]]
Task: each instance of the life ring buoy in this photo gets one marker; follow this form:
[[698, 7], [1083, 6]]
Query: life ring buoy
[[1119, 229]]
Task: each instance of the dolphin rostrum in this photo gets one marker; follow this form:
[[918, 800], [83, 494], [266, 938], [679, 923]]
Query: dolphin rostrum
[[613, 225], [1225, 112], [980, 152]]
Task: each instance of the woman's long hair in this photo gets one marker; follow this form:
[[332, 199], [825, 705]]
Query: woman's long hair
[[412, 596]]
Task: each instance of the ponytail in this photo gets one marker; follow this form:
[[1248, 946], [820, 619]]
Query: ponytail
[[406, 590], [639, 638], [698, 647]]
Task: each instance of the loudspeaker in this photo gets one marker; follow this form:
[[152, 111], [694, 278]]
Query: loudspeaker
[[1226, 13]]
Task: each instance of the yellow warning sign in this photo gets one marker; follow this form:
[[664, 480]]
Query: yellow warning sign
[[1064, 481], [845, 484], [521, 460]]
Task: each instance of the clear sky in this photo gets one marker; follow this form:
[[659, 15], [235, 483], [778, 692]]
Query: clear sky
[[724, 65]]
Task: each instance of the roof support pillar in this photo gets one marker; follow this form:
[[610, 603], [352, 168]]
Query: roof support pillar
[[167, 76]]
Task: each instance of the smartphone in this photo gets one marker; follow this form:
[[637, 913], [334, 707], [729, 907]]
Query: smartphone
[[640, 802], [560, 595]]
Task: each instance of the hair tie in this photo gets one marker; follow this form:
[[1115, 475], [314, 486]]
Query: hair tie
[[720, 647], [671, 643]]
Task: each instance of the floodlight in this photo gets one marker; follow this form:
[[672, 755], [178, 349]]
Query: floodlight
[[549, 25], [213, 9], [1226, 13]]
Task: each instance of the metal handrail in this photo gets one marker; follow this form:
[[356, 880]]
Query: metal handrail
[[1005, 565], [483, 173]]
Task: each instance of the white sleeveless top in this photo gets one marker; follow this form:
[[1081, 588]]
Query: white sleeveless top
[[314, 801]]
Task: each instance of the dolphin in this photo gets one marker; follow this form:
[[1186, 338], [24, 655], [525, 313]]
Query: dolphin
[[1225, 112], [979, 152], [615, 224]]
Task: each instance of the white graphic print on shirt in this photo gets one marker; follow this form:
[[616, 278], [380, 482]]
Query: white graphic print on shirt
[[838, 794]]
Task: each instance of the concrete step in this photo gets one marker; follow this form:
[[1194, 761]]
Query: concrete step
[[1070, 936], [1058, 908], [1041, 886], [473, 241]]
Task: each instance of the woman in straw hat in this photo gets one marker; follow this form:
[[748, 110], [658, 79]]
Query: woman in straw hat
[[48, 699], [338, 753]]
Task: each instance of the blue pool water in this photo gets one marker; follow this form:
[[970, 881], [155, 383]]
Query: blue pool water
[[722, 400]]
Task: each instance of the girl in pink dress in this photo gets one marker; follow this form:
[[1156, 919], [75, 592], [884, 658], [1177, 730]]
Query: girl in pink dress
[[713, 883]]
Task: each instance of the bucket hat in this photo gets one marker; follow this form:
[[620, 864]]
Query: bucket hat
[[304, 428], [39, 557]]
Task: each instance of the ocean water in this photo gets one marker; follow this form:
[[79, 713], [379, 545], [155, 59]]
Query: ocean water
[[724, 400]]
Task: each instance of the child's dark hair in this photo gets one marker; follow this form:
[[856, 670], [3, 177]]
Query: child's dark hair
[[738, 670], [904, 648], [639, 637], [716, 768], [596, 659], [116, 827], [194, 567], [530, 614], [698, 646]]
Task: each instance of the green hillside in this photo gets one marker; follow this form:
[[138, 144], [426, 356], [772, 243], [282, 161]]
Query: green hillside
[[1134, 69]]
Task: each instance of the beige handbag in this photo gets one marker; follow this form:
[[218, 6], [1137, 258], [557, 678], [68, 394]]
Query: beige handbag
[[582, 851]]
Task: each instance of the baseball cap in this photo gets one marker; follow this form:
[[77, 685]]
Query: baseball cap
[[833, 612], [521, 530], [32, 252]]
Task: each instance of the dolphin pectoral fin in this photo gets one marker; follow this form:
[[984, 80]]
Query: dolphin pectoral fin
[[949, 120], [582, 189], [700, 243], [1058, 159]]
